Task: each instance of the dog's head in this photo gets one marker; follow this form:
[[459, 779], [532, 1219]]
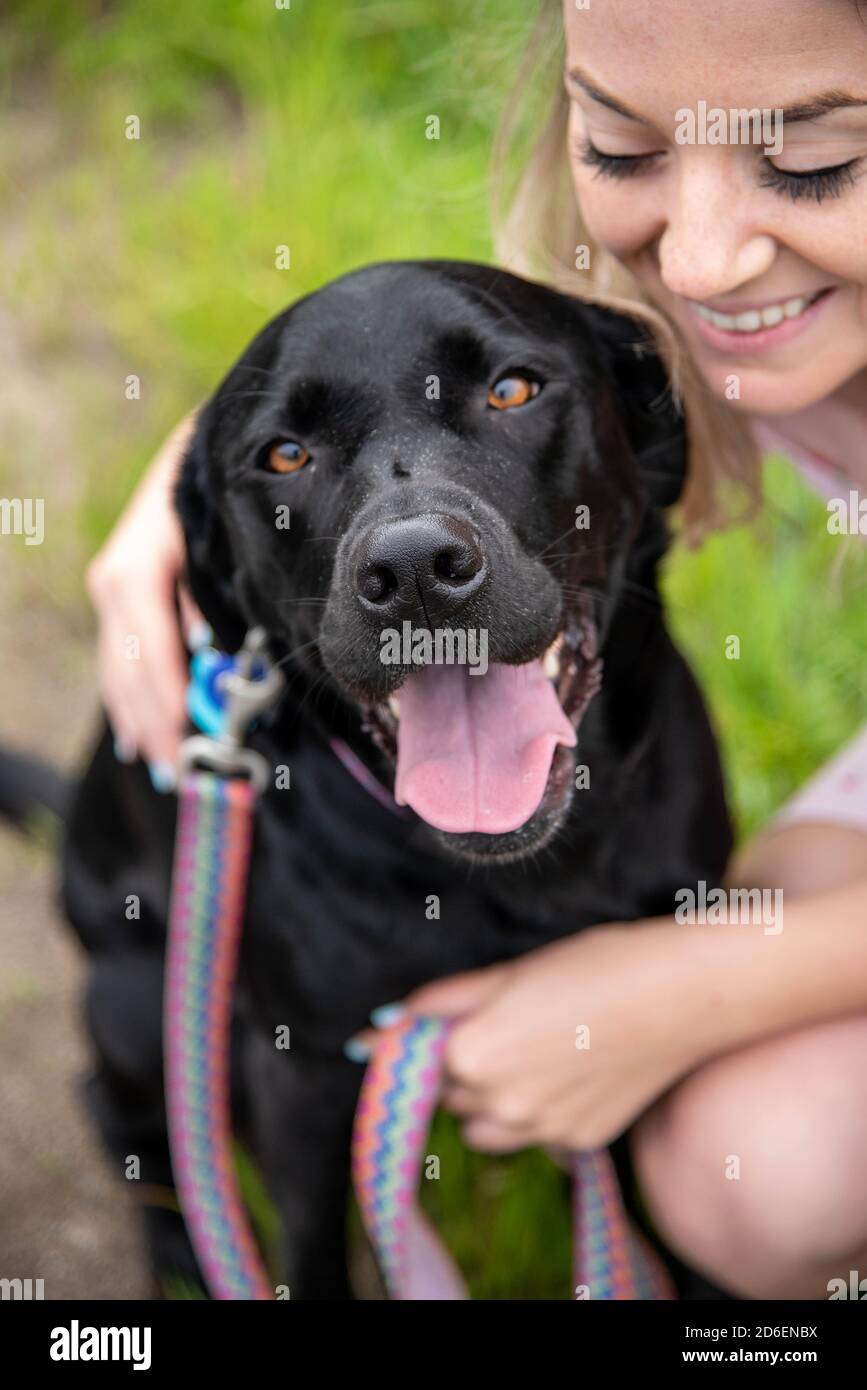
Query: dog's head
[[424, 480]]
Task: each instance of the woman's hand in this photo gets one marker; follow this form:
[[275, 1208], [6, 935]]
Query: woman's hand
[[133, 583], [656, 998], [567, 1045]]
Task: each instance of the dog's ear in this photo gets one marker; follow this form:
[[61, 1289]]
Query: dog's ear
[[211, 570], [644, 403]]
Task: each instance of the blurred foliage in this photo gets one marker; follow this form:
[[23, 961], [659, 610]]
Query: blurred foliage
[[306, 127], [795, 597], [259, 128]]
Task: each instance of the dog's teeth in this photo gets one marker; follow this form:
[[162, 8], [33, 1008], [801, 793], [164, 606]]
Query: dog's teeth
[[394, 706], [551, 663]]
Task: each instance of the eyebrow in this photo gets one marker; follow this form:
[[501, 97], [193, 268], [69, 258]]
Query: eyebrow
[[582, 80], [804, 111], [821, 106]]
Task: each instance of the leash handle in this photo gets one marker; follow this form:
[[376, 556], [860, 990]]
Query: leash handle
[[611, 1260]]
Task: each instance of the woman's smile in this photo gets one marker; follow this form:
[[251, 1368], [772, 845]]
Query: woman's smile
[[755, 328]]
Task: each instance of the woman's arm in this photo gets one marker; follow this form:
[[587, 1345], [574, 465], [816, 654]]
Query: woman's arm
[[567, 1045], [133, 586], [815, 968]]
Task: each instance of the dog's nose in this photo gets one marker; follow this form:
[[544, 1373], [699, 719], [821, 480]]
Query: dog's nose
[[429, 565]]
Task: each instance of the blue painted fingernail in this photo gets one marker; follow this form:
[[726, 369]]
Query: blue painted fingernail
[[124, 749], [356, 1050], [200, 635], [387, 1015], [162, 777]]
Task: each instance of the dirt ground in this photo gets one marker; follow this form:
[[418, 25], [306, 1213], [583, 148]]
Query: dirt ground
[[64, 1217]]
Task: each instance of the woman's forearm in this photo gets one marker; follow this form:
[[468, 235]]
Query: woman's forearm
[[806, 965], [133, 584]]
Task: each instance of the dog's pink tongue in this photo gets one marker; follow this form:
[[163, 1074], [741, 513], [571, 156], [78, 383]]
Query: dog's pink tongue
[[474, 752]]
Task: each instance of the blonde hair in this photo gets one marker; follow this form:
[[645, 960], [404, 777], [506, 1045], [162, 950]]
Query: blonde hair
[[538, 229]]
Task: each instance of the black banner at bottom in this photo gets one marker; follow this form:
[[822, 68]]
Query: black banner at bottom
[[254, 1342]]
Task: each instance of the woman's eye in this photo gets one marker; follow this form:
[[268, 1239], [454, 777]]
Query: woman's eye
[[614, 166], [287, 457], [511, 391], [810, 183]]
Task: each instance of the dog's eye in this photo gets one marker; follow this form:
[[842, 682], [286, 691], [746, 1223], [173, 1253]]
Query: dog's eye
[[287, 457], [510, 391]]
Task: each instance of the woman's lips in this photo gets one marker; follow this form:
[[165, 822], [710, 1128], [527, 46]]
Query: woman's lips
[[738, 342]]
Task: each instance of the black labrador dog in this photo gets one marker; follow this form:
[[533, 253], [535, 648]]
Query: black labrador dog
[[417, 449]]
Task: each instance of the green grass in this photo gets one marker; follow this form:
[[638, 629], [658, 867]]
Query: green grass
[[506, 1220], [156, 257]]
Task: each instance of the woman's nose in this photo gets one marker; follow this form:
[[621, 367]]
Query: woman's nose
[[712, 243]]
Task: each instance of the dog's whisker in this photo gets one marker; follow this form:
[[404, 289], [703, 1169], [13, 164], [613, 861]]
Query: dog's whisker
[[556, 541], [580, 550], [318, 685], [279, 601], [296, 651], [249, 367], [252, 395]]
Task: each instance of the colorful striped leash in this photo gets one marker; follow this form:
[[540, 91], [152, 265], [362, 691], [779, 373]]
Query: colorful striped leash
[[219, 785], [215, 818], [612, 1260]]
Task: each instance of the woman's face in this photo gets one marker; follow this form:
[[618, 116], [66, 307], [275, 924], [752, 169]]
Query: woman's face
[[758, 251]]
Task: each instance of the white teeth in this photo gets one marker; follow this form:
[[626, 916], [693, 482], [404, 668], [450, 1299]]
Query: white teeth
[[551, 660], [394, 706], [754, 319]]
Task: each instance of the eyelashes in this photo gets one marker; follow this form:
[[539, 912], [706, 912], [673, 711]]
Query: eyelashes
[[615, 166], [817, 184]]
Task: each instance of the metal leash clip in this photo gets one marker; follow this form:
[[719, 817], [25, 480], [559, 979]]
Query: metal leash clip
[[244, 695]]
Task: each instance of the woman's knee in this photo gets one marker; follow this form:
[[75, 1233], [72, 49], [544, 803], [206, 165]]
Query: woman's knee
[[754, 1168]]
